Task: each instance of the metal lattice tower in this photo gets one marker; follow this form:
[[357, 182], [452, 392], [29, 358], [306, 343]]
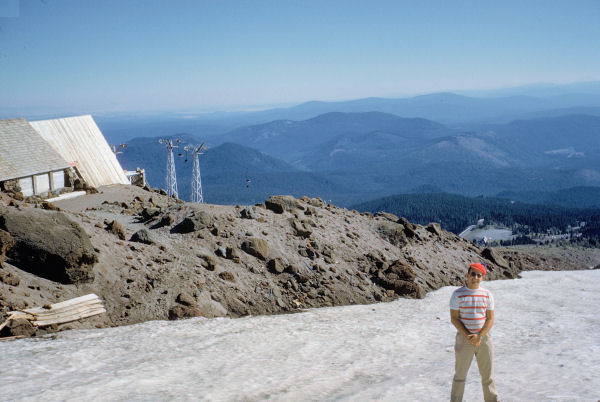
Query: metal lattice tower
[[196, 181], [171, 178], [117, 148]]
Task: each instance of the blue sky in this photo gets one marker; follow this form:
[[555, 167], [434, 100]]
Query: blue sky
[[108, 56]]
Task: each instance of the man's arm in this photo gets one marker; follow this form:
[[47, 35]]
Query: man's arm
[[489, 321], [455, 319]]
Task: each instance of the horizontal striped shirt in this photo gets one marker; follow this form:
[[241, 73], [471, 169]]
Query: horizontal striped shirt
[[472, 305]]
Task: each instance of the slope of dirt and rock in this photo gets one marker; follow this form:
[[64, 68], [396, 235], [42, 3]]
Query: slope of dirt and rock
[[152, 257]]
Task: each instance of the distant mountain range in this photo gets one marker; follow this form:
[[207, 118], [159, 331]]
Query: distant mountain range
[[456, 110], [353, 151], [349, 157]]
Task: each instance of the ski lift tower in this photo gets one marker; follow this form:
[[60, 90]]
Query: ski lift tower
[[196, 182], [117, 148], [171, 178]]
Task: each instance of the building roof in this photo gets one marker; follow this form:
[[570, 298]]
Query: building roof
[[23, 152], [79, 140]]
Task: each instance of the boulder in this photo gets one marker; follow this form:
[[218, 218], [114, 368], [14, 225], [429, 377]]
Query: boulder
[[50, 245], [259, 248], [281, 203], [166, 220], [435, 228], [399, 276], [276, 265], [400, 270], [149, 213], [227, 276], [402, 288], [249, 213], [405, 222], [18, 327], [316, 202], [494, 257], [210, 308], [186, 299], [387, 215], [142, 236], [181, 311], [9, 278], [393, 233], [117, 229], [208, 262], [200, 220], [301, 229], [6, 243]]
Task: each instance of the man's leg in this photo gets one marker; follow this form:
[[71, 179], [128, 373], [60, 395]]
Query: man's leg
[[463, 352], [485, 355]]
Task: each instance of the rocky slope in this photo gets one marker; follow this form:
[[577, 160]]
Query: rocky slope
[[151, 257]]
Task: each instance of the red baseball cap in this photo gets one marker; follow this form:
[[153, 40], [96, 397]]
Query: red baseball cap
[[477, 266]]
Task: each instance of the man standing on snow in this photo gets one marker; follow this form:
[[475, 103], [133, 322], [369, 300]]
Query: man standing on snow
[[472, 313]]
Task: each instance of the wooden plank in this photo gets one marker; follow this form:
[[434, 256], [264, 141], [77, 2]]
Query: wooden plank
[[75, 317], [42, 311], [79, 139], [66, 303], [69, 312], [59, 313]]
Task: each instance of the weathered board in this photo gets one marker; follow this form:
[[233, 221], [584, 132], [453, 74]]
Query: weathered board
[[79, 141], [59, 313]]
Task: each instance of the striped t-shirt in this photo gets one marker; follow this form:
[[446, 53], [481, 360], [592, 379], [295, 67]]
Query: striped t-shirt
[[472, 305]]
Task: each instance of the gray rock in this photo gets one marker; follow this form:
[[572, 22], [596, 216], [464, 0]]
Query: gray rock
[[257, 247], [181, 311], [149, 213], [208, 262], [276, 265], [186, 299], [227, 276], [211, 308], [200, 220], [494, 257], [50, 245], [166, 220], [117, 229], [301, 229], [249, 213], [393, 233], [18, 327], [6, 243], [435, 228], [388, 216], [221, 252], [281, 203], [142, 236], [316, 202], [9, 278]]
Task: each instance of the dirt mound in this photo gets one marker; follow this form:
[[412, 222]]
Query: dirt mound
[[231, 261]]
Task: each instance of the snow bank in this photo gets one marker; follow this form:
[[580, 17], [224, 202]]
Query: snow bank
[[546, 339]]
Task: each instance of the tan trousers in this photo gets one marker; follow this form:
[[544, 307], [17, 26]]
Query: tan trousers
[[484, 354]]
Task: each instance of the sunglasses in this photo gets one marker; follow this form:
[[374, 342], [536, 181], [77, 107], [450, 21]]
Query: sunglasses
[[476, 275]]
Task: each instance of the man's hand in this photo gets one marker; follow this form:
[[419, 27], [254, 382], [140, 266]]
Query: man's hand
[[474, 339]]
